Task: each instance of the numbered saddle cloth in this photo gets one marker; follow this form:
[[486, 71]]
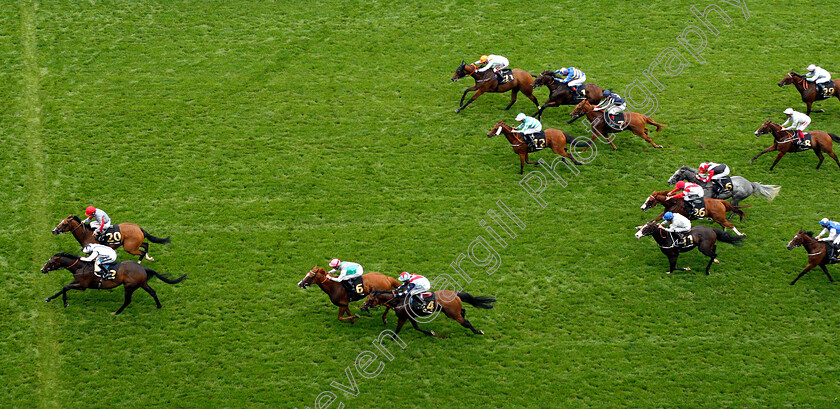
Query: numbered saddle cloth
[[723, 185], [618, 121], [826, 89], [504, 76], [538, 142], [423, 304], [801, 145], [696, 209], [111, 235], [108, 271], [686, 242], [355, 288]]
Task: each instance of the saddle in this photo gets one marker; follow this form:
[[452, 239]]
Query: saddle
[[803, 145], [535, 141], [831, 253], [110, 271], [355, 288], [826, 90], [423, 304], [696, 208], [617, 121], [722, 185], [110, 236], [504, 76]]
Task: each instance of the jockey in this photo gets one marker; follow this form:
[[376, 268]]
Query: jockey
[[714, 172], [677, 223], [103, 256], [799, 122], [414, 284], [817, 75], [574, 77], [99, 220], [528, 127], [832, 228], [346, 269], [496, 62], [612, 102], [690, 191]]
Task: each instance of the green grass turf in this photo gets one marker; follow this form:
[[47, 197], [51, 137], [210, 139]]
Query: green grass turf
[[267, 137]]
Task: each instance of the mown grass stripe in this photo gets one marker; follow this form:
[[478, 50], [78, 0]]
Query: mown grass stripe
[[47, 348]]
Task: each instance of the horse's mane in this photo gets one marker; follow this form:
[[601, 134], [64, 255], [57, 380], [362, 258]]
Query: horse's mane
[[809, 234], [794, 73], [66, 254], [76, 218]]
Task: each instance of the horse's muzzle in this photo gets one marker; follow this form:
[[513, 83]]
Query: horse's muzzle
[[55, 232], [302, 285]]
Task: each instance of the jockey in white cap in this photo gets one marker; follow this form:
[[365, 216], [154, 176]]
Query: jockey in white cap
[[799, 122], [528, 127]]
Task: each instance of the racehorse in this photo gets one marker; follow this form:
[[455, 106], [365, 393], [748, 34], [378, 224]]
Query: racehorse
[[601, 127], [561, 94], [784, 141], [554, 139], [486, 82], [130, 236], [130, 274], [817, 255], [448, 301], [741, 187], [807, 90], [715, 209], [338, 295], [704, 238]]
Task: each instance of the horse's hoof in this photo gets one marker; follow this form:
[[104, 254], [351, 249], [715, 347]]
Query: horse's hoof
[[150, 258], [457, 110], [717, 261], [792, 283], [480, 332], [668, 272], [47, 300], [66, 305], [432, 333], [687, 269], [113, 313], [659, 147]]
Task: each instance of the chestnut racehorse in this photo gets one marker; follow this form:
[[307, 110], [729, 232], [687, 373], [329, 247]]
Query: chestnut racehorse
[[808, 90], [448, 301], [704, 239], [561, 94], [715, 209], [817, 254], [554, 139], [132, 236], [130, 274], [486, 82], [637, 123], [784, 141], [338, 295]]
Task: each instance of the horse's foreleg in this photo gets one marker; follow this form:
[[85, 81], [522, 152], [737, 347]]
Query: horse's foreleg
[[672, 262], [464, 95], [384, 315], [400, 323], [529, 162], [778, 158], [513, 93], [63, 293], [350, 317], [128, 292], [469, 101], [807, 269], [770, 149]]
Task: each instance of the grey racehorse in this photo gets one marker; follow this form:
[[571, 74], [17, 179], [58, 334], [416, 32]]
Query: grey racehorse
[[741, 188]]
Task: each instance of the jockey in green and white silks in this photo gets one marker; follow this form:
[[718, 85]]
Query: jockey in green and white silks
[[528, 127], [346, 269]]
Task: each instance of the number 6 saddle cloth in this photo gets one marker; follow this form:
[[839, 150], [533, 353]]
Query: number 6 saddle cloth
[[111, 236], [355, 288]]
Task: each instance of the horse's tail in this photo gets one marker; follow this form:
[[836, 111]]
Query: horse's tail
[[735, 209], [577, 142], [769, 192], [164, 277], [652, 122], [834, 137], [728, 238], [483, 301], [154, 239]]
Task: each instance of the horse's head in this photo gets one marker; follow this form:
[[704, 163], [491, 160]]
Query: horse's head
[[60, 260], [316, 274], [646, 230], [767, 127], [64, 226], [375, 299], [545, 78], [681, 174], [581, 109], [497, 129], [459, 72], [649, 202], [790, 78], [799, 239]]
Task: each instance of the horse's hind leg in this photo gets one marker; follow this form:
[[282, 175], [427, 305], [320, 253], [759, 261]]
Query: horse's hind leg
[[711, 252], [512, 98], [151, 292], [825, 270], [831, 153], [644, 135], [128, 292], [462, 319]]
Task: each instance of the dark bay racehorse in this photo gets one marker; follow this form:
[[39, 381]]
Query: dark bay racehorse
[[817, 255], [784, 141], [808, 90], [704, 240], [130, 274], [715, 209], [448, 301], [554, 139], [131, 236], [637, 123], [338, 295], [486, 82], [741, 187], [561, 94]]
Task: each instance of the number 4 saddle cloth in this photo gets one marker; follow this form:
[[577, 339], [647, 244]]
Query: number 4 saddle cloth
[[355, 288], [423, 304]]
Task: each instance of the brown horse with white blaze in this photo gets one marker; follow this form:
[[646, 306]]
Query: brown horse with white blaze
[[715, 209], [485, 81], [131, 237], [785, 141], [817, 253], [600, 127], [554, 139], [338, 295], [808, 90]]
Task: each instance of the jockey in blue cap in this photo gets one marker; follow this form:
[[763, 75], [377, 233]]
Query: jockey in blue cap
[[574, 78], [832, 228], [677, 223]]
